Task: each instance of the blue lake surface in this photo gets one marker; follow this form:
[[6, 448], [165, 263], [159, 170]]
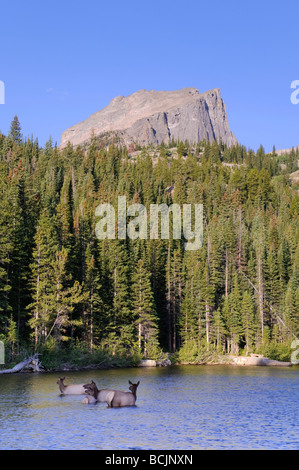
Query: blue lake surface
[[179, 407]]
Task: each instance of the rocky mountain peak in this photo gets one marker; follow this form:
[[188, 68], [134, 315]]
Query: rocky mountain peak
[[152, 117]]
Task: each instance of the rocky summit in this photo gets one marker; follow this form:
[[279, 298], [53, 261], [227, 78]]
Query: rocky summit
[[153, 117]]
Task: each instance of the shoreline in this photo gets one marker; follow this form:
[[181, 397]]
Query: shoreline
[[233, 360], [243, 361], [254, 360]]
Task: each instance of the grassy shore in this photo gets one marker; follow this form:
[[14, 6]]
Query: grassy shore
[[78, 357]]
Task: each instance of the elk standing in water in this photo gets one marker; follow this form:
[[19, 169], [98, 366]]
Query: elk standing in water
[[77, 389], [93, 391], [116, 398]]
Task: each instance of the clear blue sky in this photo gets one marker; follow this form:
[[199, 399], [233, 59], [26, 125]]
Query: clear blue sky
[[64, 60]]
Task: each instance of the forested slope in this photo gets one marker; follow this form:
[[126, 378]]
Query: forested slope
[[61, 287]]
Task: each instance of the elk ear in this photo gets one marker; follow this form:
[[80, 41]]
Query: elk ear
[[93, 382], [130, 382], [138, 383]]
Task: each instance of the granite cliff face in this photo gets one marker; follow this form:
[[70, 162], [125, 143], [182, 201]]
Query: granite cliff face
[[147, 117]]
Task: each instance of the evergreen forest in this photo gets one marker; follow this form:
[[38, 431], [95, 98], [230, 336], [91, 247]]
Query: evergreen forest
[[77, 299]]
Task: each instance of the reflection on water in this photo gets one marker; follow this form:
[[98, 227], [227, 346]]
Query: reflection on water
[[181, 407]]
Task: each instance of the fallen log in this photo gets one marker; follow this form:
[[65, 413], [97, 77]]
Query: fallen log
[[31, 362]]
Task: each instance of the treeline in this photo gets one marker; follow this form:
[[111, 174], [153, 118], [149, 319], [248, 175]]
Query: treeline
[[60, 285]]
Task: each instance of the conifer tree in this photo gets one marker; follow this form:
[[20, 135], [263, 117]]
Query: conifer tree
[[119, 287], [93, 304], [232, 317], [62, 299], [218, 330], [259, 245], [15, 132], [181, 149], [248, 321], [144, 309], [291, 308], [64, 216], [174, 285], [191, 315], [45, 247], [6, 245], [22, 235]]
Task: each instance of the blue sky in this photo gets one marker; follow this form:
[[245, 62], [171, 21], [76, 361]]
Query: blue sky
[[64, 60]]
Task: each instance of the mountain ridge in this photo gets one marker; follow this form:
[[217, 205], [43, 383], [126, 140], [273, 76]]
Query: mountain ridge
[[152, 117]]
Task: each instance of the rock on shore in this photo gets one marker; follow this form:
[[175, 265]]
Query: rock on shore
[[256, 360]]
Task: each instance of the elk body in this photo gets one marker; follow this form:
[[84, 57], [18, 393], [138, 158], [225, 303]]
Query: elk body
[[77, 389], [92, 391], [116, 398]]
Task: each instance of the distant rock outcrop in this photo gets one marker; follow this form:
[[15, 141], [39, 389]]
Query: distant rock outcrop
[[153, 117], [283, 151]]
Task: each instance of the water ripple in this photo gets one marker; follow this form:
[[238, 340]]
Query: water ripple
[[188, 407]]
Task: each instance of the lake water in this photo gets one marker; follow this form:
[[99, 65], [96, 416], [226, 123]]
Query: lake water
[[179, 407]]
